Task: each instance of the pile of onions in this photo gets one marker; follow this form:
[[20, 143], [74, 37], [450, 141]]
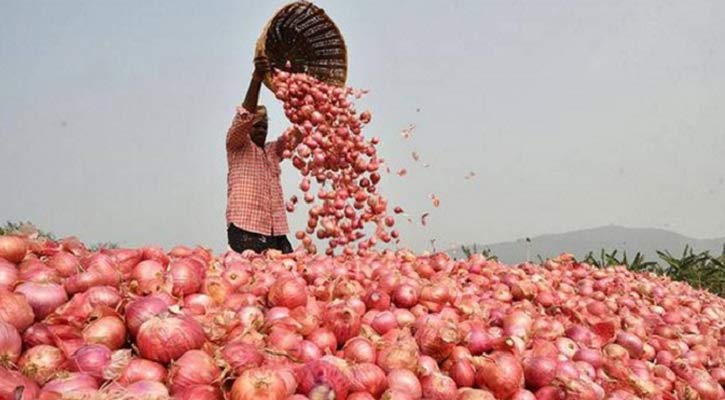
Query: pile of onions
[[389, 324]]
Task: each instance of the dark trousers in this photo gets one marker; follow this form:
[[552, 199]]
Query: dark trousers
[[240, 240]]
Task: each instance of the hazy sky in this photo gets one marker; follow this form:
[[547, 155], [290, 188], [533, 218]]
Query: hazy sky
[[572, 114]]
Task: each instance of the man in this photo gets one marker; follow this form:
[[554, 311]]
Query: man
[[256, 218]]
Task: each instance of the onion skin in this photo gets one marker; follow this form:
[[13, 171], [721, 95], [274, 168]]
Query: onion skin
[[539, 371], [288, 292], [405, 381], [368, 377], [359, 350], [200, 392], [165, 338]]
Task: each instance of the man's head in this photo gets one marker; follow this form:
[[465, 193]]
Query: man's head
[[259, 126]]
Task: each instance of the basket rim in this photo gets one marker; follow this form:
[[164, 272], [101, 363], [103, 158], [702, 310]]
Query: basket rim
[[260, 47]]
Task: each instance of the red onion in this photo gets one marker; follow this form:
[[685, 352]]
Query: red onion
[[463, 373], [185, 277], [139, 369], [258, 383], [103, 295], [405, 381], [193, 368], [307, 351], [147, 389], [359, 350], [474, 394], [501, 373], [288, 292], [141, 310], [33, 270], [44, 298], [41, 362], [10, 344], [539, 371], [15, 386], [324, 339], [165, 337], [8, 275], [384, 321], [13, 248], [437, 339], [323, 379], [632, 343], [342, 321], [377, 300], [437, 386], [75, 384], [91, 359], [148, 275], [427, 365], [369, 378], [405, 296], [109, 331], [200, 392]]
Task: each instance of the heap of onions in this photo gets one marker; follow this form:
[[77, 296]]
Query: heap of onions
[[388, 325]]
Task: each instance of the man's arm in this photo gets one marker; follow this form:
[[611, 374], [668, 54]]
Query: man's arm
[[238, 134]]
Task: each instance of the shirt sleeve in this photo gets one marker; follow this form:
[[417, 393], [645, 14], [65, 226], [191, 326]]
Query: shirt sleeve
[[238, 134]]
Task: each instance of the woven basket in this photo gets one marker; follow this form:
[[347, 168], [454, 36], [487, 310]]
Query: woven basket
[[304, 35]]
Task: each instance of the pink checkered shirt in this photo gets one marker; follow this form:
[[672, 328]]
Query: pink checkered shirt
[[254, 192]]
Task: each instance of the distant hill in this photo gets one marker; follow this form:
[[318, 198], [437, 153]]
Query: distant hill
[[644, 240]]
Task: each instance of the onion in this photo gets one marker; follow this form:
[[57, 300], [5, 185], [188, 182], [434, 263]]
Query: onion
[[405, 381], [324, 339], [539, 371], [41, 362], [165, 337], [384, 321], [139, 369], [103, 295], [242, 356], [193, 368], [13, 248], [15, 310], [501, 373], [474, 394], [15, 386], [437, 339], [632, 343], [342, 321], [359, 350], [141, 310], [10, 344], [148, 275], [75, 384], [437, 386], [377, 300], [307, 351], [109, 331], [147, 389], [8, 275], [185, 277], [321, 379], [463, 373], [200, 392], [44, 298], [91, 359], [66, 264], [259, 383], [405, 296], [288, 292], [369, 378]]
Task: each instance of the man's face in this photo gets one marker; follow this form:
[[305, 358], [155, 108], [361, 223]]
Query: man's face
[[259, 131]]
